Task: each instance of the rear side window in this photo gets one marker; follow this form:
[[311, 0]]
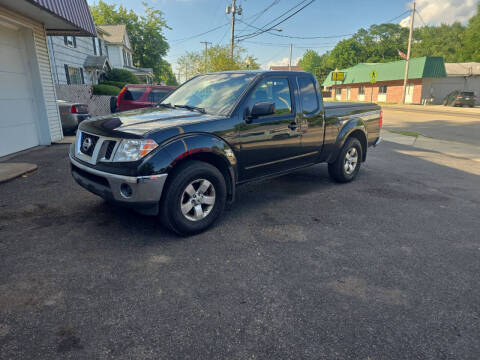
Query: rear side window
[[157, 95], [308, 94], [133, 93]]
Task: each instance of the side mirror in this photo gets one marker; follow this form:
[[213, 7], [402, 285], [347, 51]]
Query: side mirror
[[262, 109]]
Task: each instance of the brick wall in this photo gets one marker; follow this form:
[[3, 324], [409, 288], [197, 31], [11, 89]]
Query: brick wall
[[394, 91]]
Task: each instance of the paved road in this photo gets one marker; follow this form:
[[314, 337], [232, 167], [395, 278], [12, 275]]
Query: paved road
[[386, 267], [458, 128]]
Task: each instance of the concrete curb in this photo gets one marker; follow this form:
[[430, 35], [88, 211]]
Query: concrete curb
[[10, 171], [433, 109]]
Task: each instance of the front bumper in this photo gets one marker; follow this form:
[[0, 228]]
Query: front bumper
[[142, 192]]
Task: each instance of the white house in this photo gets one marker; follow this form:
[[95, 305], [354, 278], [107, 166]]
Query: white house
[[120, 52], [78, 60], [28, 109], [460, 76]]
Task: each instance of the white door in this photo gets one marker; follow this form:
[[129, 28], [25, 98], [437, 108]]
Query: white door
[[348, 93], [409, 93], [18, 127]]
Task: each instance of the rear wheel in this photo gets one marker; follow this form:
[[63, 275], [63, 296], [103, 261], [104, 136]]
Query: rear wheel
[[348, 162], [194, 198]]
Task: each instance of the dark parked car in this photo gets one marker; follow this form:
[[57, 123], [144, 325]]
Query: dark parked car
[[460, 98], [141, 96], [71, 115], [185, 157]]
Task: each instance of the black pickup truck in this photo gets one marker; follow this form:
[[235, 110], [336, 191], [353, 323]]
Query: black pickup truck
[[184, 158]]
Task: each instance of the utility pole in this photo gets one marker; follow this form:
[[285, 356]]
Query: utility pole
[[206, 53], [407, 64], [290, 59], [234, 10]]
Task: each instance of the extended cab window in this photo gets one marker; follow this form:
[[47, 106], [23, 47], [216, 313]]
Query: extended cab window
[[308, 94], [273, 90]]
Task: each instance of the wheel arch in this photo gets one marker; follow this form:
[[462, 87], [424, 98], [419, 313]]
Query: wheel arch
[[207, 148], [354, 129]]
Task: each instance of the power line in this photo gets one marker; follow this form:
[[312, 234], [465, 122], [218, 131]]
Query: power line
[[201, 34], [420, 16], [263, 30], [396, 17]]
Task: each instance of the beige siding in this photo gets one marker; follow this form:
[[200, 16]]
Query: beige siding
[[43, 62]]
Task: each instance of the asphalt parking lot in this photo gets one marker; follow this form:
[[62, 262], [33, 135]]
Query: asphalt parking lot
[[386, 267]]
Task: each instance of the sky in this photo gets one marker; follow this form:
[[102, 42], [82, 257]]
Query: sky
[[188, 18]]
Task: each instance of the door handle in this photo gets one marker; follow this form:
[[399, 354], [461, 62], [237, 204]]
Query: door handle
[[292, 126]]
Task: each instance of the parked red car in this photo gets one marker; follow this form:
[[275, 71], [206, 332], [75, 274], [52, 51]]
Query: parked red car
[[140, 96]]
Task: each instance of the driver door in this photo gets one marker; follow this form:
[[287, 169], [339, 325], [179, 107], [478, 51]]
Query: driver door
[[270, 143]]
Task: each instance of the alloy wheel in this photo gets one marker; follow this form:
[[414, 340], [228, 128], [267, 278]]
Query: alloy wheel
[[197, 200]]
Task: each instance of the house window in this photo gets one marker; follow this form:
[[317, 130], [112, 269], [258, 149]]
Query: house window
[[361, 90], [70, 41], [94, 41], [124, 58], [74, 75], [100, 50], [382, 89], [338, 91]]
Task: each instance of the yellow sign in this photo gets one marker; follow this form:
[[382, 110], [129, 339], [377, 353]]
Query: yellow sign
[[373, 77], [338, 76]]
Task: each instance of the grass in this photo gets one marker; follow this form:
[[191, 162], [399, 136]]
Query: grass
[[406, 133]]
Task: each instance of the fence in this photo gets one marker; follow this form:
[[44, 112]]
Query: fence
[[98, 105]]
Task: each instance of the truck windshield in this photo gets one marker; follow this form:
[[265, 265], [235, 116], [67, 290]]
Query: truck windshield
[[214, 93]]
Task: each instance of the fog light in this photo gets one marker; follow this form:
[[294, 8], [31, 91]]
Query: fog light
[[126, 190]]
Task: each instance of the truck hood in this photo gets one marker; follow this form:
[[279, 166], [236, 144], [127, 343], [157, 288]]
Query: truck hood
[[137, 123]]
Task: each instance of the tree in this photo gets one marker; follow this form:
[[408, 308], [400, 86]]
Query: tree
[[444, 40], [318, 65], [471, 51], [218, 59], [145, 32]]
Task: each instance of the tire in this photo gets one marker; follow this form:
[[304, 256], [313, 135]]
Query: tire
[[195, 174], [338, 170], [113, 104]]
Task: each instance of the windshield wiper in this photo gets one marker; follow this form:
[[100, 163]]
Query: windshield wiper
[[192, 108], [167, 105]]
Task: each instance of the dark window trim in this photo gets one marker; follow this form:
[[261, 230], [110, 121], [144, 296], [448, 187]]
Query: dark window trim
[[67, 74]]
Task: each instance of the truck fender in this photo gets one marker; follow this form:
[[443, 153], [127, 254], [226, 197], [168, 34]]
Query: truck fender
[[354, 127], [203, 147]]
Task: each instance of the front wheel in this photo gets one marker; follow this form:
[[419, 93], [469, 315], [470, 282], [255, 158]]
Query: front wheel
[[194, 198], [348, 162]]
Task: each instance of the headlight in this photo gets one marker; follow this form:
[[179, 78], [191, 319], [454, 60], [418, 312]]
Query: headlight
[[133, 150]]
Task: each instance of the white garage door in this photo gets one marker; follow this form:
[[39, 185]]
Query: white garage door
[[18, 128]]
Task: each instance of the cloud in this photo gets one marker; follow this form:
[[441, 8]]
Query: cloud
[[436, 12], [281, 62]]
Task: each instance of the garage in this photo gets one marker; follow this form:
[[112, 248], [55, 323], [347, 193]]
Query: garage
[[28, 109], [18, 127]]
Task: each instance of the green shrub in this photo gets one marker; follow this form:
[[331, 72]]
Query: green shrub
[[121, 75], [119, 84], [102, 89]]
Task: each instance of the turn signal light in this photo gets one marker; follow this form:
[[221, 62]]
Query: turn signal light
[[147, 146]]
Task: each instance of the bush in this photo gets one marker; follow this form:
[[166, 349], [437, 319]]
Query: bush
[[121, 75], [119, 84], [102, 89]]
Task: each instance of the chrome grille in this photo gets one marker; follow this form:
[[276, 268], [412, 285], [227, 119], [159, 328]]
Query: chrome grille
[[101, 149]]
